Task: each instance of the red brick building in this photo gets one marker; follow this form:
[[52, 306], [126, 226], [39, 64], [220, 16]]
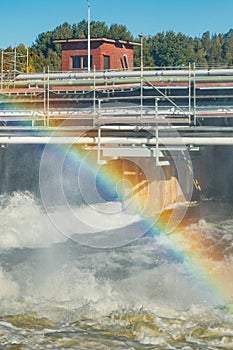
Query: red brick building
[[105, 54]]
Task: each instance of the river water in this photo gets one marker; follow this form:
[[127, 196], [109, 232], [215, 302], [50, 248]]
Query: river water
[[58, 294]]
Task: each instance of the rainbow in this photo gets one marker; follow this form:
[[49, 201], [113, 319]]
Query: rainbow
[[202, 258]]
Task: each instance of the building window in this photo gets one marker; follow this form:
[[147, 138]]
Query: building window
[[126, 61], [106, 62], [80, 62]]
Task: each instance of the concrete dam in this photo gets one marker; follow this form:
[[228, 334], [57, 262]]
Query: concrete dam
[[116, 203], [164, 136]]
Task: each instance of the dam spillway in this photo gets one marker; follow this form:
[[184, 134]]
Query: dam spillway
[[156, 116], [115, 169]]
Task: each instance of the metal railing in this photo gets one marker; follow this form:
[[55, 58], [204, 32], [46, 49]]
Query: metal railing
[[174, 95]]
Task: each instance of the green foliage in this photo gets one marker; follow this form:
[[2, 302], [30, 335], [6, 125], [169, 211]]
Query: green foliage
[[147, 54], [170, 49], [162, 49], [119, 32], [14, 59], [46, 53]]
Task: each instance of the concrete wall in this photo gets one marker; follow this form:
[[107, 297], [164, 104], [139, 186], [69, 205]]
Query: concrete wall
[[142, 185], [213, 172], [19, 167], [147, 188]]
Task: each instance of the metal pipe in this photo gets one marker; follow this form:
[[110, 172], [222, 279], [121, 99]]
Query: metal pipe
[[106, 142], [194, 94], [2, 69], [94, 101], [88, 35], [15, 65], [27, 61], [48, 87], [189, 93], [126, 74], [44, 98], [141, 76]]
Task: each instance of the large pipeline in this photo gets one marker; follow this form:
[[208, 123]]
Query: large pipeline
[[122, 74], [129, 142]]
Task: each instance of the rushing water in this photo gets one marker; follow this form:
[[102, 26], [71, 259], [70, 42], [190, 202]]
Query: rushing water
[[58, 294]]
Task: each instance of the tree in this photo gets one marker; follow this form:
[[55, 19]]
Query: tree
[[170, 49], [46, 53], [227, 48], [119, 32], [162, 49], [215, 51], [199, 53], [147, 57]]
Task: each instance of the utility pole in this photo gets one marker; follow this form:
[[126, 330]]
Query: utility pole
[[2, 69], [27, 64], [141, 69], [89, 35]]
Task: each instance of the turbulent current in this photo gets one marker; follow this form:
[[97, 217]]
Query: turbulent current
[[58, 294]]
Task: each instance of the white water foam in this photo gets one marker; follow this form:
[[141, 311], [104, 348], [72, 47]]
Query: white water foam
[[92, 218], [140, 288], [24, 224], [105, 280], [8, 287]]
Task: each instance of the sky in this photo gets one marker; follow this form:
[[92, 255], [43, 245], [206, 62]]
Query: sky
[[22, 20]]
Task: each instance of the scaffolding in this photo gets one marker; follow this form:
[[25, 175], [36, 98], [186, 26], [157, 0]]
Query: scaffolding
[[12, 63]]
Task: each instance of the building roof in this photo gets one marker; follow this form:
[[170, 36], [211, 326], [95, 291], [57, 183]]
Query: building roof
[[63, 41]]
